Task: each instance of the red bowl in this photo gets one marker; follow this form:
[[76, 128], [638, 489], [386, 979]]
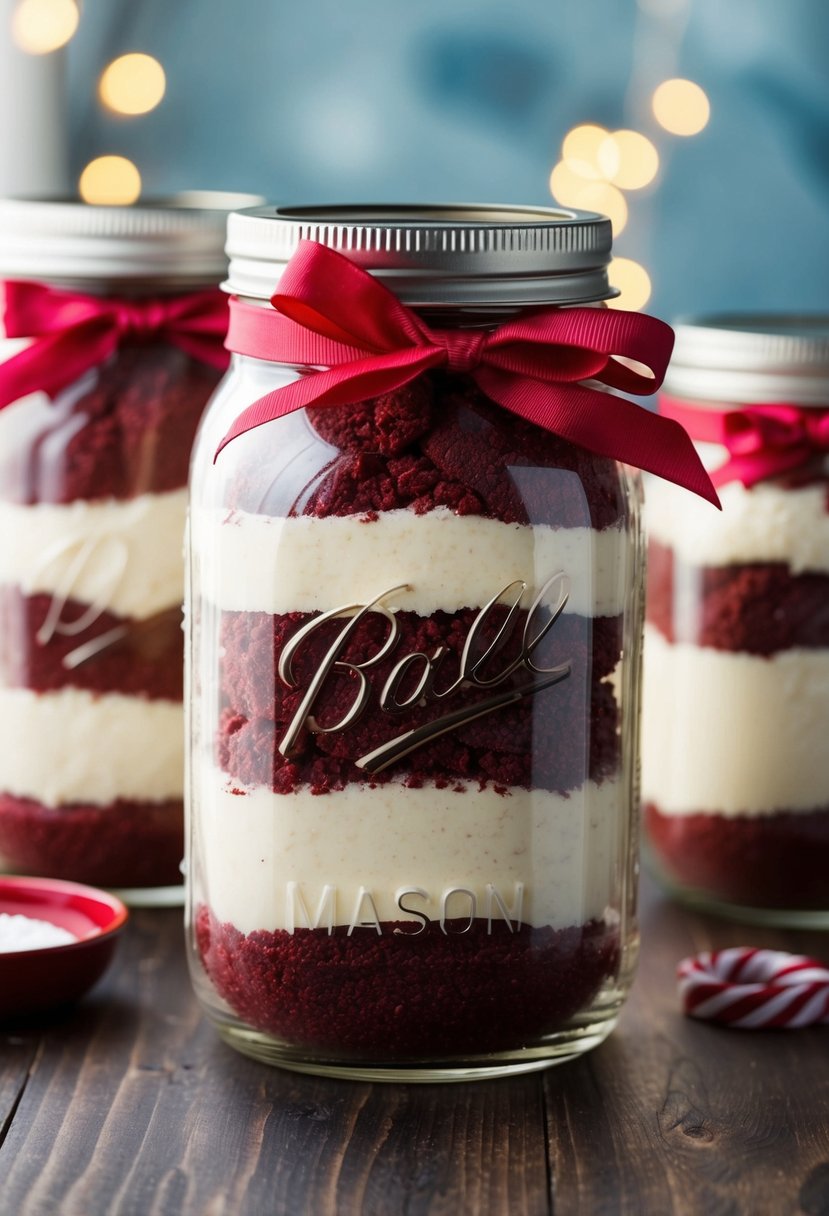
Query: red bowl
[[35, 980]]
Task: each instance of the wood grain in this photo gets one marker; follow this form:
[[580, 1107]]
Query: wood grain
[[677, 1116], [134, 1106], [131, 1106]]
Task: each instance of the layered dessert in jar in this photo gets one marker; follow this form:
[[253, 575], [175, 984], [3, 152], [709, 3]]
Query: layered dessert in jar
[[111, 347], [409, 823], [92, 507], [736, 701], [735, 776], [414, 619]]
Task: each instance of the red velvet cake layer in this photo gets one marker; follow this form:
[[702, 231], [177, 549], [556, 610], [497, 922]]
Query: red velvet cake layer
[[437, 443], [761, 861], [552, 740], [125, 429], [125, 844], [395, 998], [759, 608], [136, 658]]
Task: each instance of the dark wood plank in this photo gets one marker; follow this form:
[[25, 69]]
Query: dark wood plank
[[17, 1057], [133, 1105], [671, 1115]]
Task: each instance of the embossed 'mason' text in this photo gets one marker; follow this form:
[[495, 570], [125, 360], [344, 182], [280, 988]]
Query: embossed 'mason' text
[[453, 910]]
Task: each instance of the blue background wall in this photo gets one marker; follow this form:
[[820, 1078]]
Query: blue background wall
[[354, 100]]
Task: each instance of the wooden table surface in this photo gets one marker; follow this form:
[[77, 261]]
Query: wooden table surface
[[131, 1105]]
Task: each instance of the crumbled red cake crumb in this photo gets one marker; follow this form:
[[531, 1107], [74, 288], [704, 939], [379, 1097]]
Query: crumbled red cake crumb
[[761, 861], [387, 424], [122, 844], [759, 607], [139, 657], [125, 429], [551, 740], [436, 443], [387, 997]]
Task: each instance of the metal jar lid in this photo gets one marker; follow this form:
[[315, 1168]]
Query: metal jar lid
[[450, 255], [751, 359], [176, 241]]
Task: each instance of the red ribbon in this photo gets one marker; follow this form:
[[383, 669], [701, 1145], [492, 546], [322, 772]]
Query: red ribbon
[[73, 332], [762, 440], [336, 316]]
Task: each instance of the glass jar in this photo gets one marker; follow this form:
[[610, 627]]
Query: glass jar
[[414, 648], [736, 702], [113, 344]]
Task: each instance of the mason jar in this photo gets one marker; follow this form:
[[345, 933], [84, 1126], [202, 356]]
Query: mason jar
[[414, 617], [113, 330], [736, 701]]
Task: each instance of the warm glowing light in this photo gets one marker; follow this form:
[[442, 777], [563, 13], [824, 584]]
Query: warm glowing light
[[111, 180], [681, 107], [628, 159], [566, 185], [633, 283], [580, 150], [572, 190], [41, 26], [607, 200], [132, 84]]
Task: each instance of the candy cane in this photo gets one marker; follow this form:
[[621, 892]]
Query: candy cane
[[754, 988]]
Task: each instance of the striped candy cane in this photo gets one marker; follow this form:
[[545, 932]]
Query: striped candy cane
[[751, 988]]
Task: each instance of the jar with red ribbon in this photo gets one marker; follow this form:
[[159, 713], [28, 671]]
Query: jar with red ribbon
[[736, 704], [113, 328], [415, 605]]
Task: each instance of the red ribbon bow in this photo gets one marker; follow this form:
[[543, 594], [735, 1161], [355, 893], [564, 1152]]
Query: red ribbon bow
[[337, 316], [762, 440], [74, 332]]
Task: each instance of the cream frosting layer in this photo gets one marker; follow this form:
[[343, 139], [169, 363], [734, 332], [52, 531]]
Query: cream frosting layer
[[259, 563], [763, 524], [283, 861], [123, 556], [732, 733], [77, 746]]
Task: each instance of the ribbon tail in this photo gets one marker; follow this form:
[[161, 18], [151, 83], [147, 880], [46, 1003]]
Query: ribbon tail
[[344, 384], [54, 361], [606, 424]]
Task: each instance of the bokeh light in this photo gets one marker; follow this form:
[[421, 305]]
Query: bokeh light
[[41, 26], [132, 84], [111, 180], [580, 150], [565, 184], [632, 281], [572, 190], [607, 200], [681, 107], [628, 159]]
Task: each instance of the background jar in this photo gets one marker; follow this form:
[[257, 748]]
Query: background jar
[[469, 909], [93, 473], [736, 703]]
